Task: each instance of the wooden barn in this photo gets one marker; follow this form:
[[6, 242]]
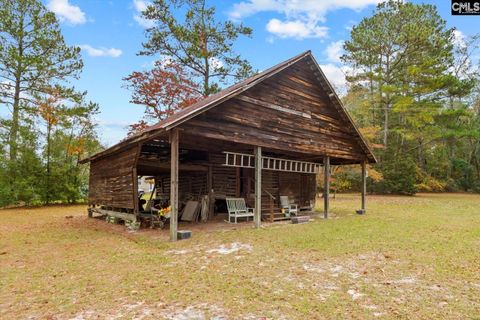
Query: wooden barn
[[263, 139]]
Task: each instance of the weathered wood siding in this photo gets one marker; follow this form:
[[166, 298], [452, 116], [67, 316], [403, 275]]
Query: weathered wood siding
[[225, 180], [289, 111], [191, 183], [300, 187], [112, 180]]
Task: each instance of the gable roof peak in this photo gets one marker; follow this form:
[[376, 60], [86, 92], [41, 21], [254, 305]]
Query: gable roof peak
[[230, 92]]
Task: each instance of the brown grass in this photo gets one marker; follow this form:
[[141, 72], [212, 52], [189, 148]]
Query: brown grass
[[409, 257]]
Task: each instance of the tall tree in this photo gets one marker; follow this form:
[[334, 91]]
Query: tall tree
[[49, 110], [412, 87], [50, 126], [33, 55], [401, 55], [68, 131], [198, 42]]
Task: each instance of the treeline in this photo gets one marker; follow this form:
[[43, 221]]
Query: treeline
[[413, 88], [46, 125], [414, 92]]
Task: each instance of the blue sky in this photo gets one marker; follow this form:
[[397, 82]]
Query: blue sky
[[110, 34]]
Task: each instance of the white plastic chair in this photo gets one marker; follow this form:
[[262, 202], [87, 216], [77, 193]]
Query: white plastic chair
[[290, 208]]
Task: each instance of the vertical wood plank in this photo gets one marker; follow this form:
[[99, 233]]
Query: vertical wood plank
[[364, 185], [237, 183], [136, 209], [210, 178], [326, 186], [174, 137], [258, 186]]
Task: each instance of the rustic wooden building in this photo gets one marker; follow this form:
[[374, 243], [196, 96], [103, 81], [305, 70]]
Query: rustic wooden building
[[259, 139]]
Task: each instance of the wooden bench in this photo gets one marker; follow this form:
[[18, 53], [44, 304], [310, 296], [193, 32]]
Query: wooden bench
[[238, 209]]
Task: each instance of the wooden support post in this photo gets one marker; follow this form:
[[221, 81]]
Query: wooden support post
[[174, 137], [326, 186], [258, 186], [364, 186], [272, 217]]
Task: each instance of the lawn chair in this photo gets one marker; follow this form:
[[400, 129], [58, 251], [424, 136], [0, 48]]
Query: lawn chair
[[238, 209], [289, 208]]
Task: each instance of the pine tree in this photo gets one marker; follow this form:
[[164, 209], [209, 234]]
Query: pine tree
[[198, 43], [33, 56]]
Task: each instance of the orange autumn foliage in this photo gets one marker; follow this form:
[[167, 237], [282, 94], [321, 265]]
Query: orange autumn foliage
[[162, 91]]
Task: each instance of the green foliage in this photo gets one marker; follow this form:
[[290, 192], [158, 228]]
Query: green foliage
[[28, 169], [198, 42], [33, 57], [416, 80], [399, 177], [50, 126], [427, 183]]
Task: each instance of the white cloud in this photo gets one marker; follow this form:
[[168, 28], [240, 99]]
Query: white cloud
[[215, 63], [101, 52], [302, 16], [113, 131], [7, 87], [67, 12], [296, 29], [313, 9], [336, 75], [164, 61], [349, 26], [144, 22], [334, 51], [459, 38], [139, 6]]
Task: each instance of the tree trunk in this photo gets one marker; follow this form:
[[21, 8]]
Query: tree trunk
[[15, 121], [385, 128], [47, 185], [13, 135]]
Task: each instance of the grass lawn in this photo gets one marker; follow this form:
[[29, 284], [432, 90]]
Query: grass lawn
[[409, 257]]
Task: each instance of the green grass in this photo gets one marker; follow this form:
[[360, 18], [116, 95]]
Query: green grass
[[408, 257]]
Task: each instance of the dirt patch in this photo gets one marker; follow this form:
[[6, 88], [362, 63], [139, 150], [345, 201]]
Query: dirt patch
[[231, 248]]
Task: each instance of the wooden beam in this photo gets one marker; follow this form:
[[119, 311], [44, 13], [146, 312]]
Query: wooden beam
[[326, 186], [258, 186], [364, 186], [167, 166], [121, 215], [174, 137]]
